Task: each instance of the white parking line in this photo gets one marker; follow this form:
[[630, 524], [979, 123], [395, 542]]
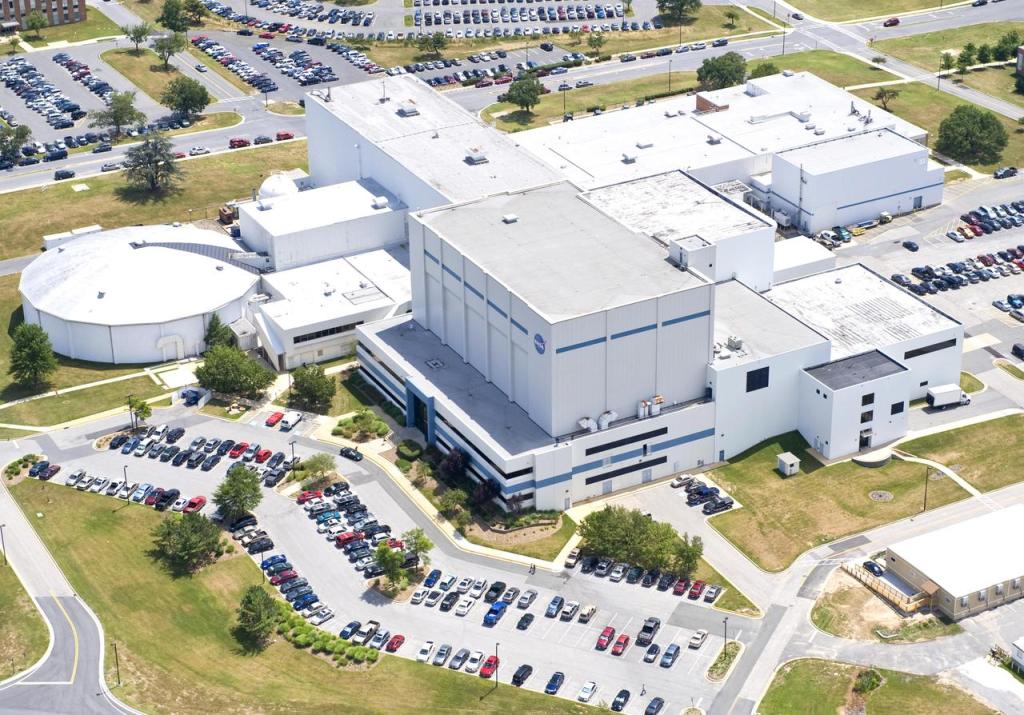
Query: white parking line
[[554, 622]]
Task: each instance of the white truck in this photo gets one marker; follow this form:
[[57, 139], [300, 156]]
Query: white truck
[[945, 396], [289, 420]]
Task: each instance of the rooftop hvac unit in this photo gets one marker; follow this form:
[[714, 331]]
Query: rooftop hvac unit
[[380, 202], [435, 364], [713, 139], [587, 423], [671, 113], [804, 116], [643, 409], [787, 73], [607, 418], [476, 157], [644, 144], [819, 131], [734, 343], [408, 110], [629, 158], [509, 218]]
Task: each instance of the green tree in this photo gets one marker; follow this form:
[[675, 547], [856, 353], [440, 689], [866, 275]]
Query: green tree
[[1006, 47], [434, 43], [186, 542], [35, 21], [657, 546], [764, 69], [962, 64], [678, 10], [884, 95], [972, 135], [185, 96], [257, 616], [151, 165], [610, 532], [239, 493], [417, 542], [968, 52], [733, 17], [137, 34], [120, 113], [169, 45], [172, 16], [217, 333], [230, 371], [595, 41], [452, 502], [947, 61], [687, 555], [312, 389], [984, 54], [724, 71], [11, 141], [320, 464], [390, 560], [139, 409], [32, 358], [525, 93], [194, 11]]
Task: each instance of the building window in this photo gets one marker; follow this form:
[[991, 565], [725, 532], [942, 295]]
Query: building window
[[868, 399], [757, 379], [867, 416], [999, 589], [982, 595], [897, 408], [924, 384], [324, 333], [1015, 583], [934, 347], [963, 601]]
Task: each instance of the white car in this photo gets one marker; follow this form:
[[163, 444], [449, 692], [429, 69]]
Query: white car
[[327, 526], [446, 583], [179, 504], [479, 586], [380, 639], [527, 598], [113, 488], [312, 503], [464, 585], [419, 595], [432, 598], [198, 151], [99, 484], [587, 691], [465, 606], [312, 609], [425, 650], [84, 483], [363, 563], [473, 664], [73, 478], [321, 616], [698, 638], [334, 531], [127, 490]]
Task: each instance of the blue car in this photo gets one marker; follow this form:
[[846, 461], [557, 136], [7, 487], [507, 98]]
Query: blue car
[[142, 492], [494, 615], [273, 560], [130, 445], [38, 468], [350, 630], [555, 683], [304, 601], [432, 578]]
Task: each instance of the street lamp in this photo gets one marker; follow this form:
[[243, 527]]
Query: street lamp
[[292, 445], [497, 664], [126, 475], [927, 474], [2, 544], [784, 35], [725, 631]]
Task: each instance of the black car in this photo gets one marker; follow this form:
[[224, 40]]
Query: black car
[[338, 488], [522, 673], [195, 459], [449, 601], [654, 707], [650, 578], [210, 462], [275, 460], [873, 568], [667, 581], [374, 529], [348, 453], [494, 592], [169, 453], [242, 522], [264, 543], [1006, 172], [168, 498], [118, 441], [359, 553], [634, 574], [174, 435], [62, 174], [620, 701], [181, 457], [588, 564], [225, 447], [373, 571], [273, 478], [294, 584], [524, 621], [262, 139]]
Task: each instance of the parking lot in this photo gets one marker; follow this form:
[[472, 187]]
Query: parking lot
[[548, 645]]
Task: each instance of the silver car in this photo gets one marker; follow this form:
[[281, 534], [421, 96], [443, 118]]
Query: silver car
[[443, 652]]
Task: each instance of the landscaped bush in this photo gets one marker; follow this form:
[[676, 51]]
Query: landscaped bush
[[304, 640], [410, 450], [362, 426], [867, 680]]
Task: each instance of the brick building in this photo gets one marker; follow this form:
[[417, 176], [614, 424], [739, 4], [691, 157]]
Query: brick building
[[58, 12]]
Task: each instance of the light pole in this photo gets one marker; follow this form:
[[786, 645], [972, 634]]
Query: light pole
[[117, 664], [2, 544], [131, 412], [725, 631], [563, 103], [784, 35], [292, 445], [497, 664], [126, 475]]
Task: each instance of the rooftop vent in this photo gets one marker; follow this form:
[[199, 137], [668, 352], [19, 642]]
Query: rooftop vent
[[100, 294], [734, 343], [475, 157], [220, 268], [809, 126], [671, 113], [435, 364], [787, 73], [644, 144], [804, 116], [629, 158], [380, 202], [819, 131], [509, 218], [408, 110], [713, 139]]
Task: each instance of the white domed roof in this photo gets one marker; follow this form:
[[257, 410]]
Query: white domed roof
[[136, 275], [277, 184]]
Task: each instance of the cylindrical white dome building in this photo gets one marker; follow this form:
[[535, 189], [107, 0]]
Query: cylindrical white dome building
[[136, 295]]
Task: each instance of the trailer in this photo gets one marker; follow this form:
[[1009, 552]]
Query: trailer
[[944, 396]]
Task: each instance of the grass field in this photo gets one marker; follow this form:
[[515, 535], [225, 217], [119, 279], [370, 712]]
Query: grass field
[[96, 24], [969, 383], [927, 107], [997, 82], [841, 70], [220, 70], [174, 637], [81, 403], [832, 10], [925, 50], [955, 176], [821, 687], [782, 518], [207, 182], [219, 408], [1010, 369], [23, 635], [144, 69], [292, 108], [732, 599], [9, 434], [986, 454], [348, 397]]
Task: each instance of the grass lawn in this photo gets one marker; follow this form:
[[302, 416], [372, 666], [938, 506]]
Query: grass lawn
[[832, 10], [348, 397], [926, 107], [144, 69], [285, 108], [721, 665], [23, 635], [96, 24], [81, 403], [841, 70], [207, 183], [220, 70], [11, 434], [782, 518], [544, 549], [997, 82], [986, 454], [1010, 369], [219, 408], [925, 50], [174, 635], [731, 599], [780, 21], [69, 373], [956, 175], [510, 118], [821, 687], [969, 383]]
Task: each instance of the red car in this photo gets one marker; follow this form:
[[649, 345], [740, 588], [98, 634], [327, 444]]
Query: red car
[[274, 419], [281, 136], [154, 495], [49, 472], [396, 544], [284, 576], [681, 587], [180, 155], [395, 643], [891, 22], [342, 539], [621, 643], [267, 35], [194, 504], [696, 590], [238, 143], [484, 83], [238, 449], [307, 495], [606, 637], [490, 665], [263, 455]]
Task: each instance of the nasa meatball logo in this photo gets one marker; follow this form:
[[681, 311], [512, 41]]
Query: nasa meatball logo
[[538, 342]]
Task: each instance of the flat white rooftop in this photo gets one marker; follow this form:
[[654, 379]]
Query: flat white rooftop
[[673, 206], [851, 150], [799, 251], [338, 289], [561, 255], [433, 137], [858, 310], [765, 116], [324, 206], [765, 329], [970, 555]]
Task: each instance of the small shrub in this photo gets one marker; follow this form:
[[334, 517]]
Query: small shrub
[[410, 450], [867, 680], [230, 548], [358, 654], [372, 655], [382, 429], [403, 465], [339, 647], [303, 641]]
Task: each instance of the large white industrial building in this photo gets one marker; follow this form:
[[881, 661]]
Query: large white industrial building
[[579, 308]]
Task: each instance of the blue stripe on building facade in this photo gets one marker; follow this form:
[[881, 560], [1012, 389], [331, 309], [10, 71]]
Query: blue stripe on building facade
[[703, 434], [577, 346], [557, 479], [520, 327], [497, 310], [452, 273], [431, 256], [586, 467], [634, 331], [631, 454], [889, 196], [685, 318], [474, 291], [380, 375]]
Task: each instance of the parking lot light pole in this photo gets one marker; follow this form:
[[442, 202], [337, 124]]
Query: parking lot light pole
[[131, 412], [927, 474], [291, 444], [725, 631], [497, 664], [126, 475]]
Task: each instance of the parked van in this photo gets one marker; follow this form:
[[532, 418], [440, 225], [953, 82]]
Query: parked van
[[289, 420], [143, 447]]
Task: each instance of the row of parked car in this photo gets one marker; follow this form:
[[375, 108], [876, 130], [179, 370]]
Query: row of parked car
[[81, 72], [157, 497], [295, 589], [298, 65], [249, 74], [39, 94], [968, 271]]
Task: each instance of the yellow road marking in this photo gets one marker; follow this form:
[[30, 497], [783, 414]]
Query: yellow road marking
[[74, 634]]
